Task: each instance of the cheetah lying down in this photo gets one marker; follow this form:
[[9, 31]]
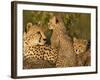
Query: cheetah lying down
[[36, 53], [40, 53]]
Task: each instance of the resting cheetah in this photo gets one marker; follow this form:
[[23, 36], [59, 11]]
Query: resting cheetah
[[59, 38], [82, 50], [35, 48], [41, 52]]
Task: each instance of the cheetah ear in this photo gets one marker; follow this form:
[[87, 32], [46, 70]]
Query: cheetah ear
[[85, 42], [74, 38], [29, 25], [54, 20]]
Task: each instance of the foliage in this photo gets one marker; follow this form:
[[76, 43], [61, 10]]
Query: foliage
[[77, 24]]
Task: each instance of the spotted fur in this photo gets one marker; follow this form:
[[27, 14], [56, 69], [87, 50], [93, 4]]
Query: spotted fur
[[35, 48]]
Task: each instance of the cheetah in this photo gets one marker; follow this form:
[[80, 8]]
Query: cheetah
[[79, 45], [82, 50], [35, 49], [60, 39], [41, 52], [34, 35]]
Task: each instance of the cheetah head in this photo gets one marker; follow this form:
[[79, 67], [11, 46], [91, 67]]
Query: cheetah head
[[34, 35], [79, 45], [52, 23]]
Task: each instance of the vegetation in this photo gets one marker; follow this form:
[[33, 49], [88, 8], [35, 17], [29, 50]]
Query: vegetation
[[77, 24]]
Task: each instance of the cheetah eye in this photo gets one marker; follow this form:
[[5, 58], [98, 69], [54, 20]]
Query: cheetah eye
[[38, 32]]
